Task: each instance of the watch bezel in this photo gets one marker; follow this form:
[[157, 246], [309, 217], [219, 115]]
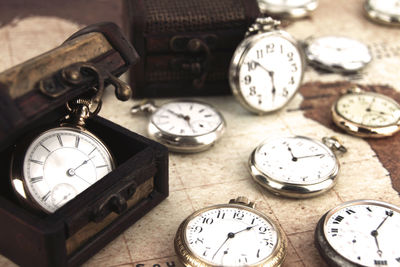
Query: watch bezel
[[380, 17], [238, 58], [293, 190], [331, 255], [17, 161], [336, 68], [187, 144], [361, 130], [286, 12], [189, 258]]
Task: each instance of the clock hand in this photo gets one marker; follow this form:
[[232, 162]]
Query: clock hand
[[82, 178], [271, 76], [368, 109], [232, 235], [388, 214], [374, 233], [291, 153], [309, 156], [83, 163]]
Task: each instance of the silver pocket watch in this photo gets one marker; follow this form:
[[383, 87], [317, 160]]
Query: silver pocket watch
[[360, 233], [291, 9], [296, 167], [183, 125], [383, 11], [337, 54], [267, 67]]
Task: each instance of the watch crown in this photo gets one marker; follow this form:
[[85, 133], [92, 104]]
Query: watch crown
[[263, 25], [242, 201]]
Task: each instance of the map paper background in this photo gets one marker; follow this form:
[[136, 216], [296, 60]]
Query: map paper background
[[219, 174]]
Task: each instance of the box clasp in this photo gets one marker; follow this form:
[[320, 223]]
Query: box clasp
[[197, 65], [115, 202]]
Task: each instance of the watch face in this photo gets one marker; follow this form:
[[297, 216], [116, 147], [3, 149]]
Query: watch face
[[268, 73], [365, 232], [296, 160], [230, 236], [384, 10], [62, 162], [338, 54], [290, 8], [187, 118], [368, 109]]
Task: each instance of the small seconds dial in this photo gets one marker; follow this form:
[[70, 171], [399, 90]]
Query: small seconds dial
[[365, 232], [186, 118], [269, 72], [62, 162], [295, 160], [230, 236]]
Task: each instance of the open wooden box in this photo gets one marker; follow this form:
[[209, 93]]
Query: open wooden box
[[83, 226]]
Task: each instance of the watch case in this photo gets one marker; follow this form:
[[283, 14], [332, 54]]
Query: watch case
[[32, 99], [185, 45]]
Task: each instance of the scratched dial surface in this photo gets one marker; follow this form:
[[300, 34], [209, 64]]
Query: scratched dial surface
[[231, 236], [187, 118], [61, 163], [270, 73], [369, 109], [295, 160], [338, 53], [365, 232]]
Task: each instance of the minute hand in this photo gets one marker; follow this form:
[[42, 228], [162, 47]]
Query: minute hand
[[310, 156]]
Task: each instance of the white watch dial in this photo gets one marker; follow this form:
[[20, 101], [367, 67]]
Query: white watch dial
[[368, 109], [338, 53], [270, 73], [62, 162], [365, 233], [295, 160], [186, 118], [230, 236], [388, 7]]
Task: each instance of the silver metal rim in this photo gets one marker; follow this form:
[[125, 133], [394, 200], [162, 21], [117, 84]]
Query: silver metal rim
[[288, 12]]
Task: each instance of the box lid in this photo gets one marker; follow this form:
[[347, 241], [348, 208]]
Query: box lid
[[36, 87]]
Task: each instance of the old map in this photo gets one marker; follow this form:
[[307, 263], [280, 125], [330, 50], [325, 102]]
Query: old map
[[370, 169]]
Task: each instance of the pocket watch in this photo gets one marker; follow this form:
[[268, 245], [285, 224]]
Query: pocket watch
[[384, 12], [337, 54], [366, 114], [288, 8], [267, 67], [233, 234], [183, 125], [360, 233], [297, 167], [60, 163]]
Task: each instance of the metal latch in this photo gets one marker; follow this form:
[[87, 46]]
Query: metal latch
[[198, 63]]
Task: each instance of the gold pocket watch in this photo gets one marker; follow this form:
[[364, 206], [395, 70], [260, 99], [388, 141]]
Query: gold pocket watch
[[267, 67], [233, 234], [366, 114], [360, 233], [60, 162], [183, 125], [297, 167]]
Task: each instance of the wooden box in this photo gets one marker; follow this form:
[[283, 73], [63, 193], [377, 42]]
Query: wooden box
[[185, 45], [84, 225]]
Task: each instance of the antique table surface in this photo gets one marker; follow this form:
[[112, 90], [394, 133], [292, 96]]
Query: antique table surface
[[369, 170]]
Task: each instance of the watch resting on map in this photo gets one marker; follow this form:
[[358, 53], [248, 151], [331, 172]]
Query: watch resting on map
[[60, 163], [337, 54], [183, 125], [360, 233], [233, 234], [267, 68], [384, 12], [297, 167], [288, 8], [366, 114]]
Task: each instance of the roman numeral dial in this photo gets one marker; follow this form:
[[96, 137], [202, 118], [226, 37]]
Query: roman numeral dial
[[62, 162]]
